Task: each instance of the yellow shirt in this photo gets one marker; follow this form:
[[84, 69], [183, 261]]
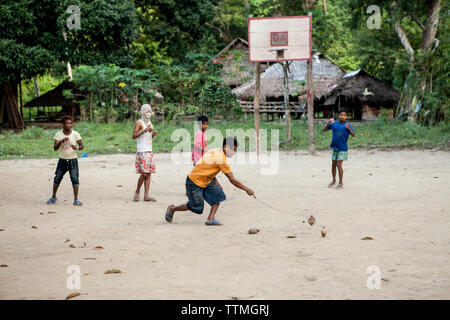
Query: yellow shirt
[[65, 150], [208, 167]]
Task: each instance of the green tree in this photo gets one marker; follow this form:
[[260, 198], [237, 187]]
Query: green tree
[[404, 49], [170, 28], [32, 46]]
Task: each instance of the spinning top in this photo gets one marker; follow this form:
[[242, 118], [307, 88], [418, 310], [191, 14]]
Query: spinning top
[[253, 230], [311, 220], [323, 232]]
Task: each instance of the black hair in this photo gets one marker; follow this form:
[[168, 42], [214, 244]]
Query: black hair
[[202, 119], [65, 118], [343, 110], [229, 141]]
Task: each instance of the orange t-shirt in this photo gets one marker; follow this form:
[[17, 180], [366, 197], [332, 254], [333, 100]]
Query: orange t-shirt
[[208, 167]]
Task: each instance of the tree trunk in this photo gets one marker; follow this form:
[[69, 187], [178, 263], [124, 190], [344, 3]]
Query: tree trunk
[[69, 71], [21, 98], [36, 87], [431, 25], [415, 84], [9, 111]]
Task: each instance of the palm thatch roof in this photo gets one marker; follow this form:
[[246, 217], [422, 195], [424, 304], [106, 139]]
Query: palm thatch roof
[[236, 68], [361, 86], [325, 73], [55, 97]]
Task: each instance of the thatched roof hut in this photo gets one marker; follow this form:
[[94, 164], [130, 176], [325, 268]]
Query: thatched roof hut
[[360, 93], [55, 98], [325, 73], [236, 69]]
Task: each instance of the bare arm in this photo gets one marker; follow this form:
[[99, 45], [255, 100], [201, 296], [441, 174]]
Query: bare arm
[[238, 184], [137, 132], [328, 123], [80, 145], [58, 143], [350, 129]]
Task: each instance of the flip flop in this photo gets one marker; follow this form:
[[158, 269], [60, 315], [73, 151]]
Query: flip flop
[[136, 197], [339, 186], [331, 184], [51, 200], [150, 199], [169, 216], [213, 223], [77, 203]]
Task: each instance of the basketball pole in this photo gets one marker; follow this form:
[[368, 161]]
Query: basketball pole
[[286, 101], [256, 103]]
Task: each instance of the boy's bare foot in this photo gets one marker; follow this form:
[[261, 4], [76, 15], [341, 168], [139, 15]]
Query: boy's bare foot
[[136, 197], [149, 199]]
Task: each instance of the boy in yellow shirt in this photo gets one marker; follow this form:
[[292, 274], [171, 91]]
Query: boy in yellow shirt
[[202, 185]]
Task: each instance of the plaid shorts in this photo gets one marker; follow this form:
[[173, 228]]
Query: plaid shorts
[[144, 163], [339, 155]]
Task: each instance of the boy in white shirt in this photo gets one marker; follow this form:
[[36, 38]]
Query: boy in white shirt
[[66, 141]]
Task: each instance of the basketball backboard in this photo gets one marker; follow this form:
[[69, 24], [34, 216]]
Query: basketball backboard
[[279, 38]]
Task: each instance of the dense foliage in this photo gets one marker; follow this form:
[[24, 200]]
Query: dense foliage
[[172, 42]]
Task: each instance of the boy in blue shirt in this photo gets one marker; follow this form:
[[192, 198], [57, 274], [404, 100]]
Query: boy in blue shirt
[[340, 130]]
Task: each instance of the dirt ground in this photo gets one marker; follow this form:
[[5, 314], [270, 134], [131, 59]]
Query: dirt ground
[[399, 198]]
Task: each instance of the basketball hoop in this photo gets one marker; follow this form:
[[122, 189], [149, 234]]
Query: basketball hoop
[[279, 38]]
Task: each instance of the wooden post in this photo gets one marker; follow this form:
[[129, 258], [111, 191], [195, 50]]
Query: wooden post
[[256, 103], [286, 102], [310, 95], [90, 108]]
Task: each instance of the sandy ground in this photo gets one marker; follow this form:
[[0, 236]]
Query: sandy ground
[[400, 199]]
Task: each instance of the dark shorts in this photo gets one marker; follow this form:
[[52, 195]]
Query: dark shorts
[[197, 196], [65, 165]]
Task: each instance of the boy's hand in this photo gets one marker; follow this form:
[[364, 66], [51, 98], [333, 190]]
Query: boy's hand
[[74, 147], [347, 126], [155, 133], [331, 121], [250, 192], [66, 139]]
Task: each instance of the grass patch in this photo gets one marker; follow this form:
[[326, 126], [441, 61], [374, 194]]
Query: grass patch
[[113, 138]]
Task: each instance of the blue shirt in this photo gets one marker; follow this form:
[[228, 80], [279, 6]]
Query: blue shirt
[[340, 135]]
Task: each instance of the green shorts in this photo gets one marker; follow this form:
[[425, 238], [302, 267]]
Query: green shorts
[[339, 155]]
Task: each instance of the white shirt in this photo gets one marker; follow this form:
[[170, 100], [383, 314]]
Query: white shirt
[[144, 142], [65, 150]]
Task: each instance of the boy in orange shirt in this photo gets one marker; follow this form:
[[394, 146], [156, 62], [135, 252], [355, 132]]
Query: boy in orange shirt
[[202, 185]]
